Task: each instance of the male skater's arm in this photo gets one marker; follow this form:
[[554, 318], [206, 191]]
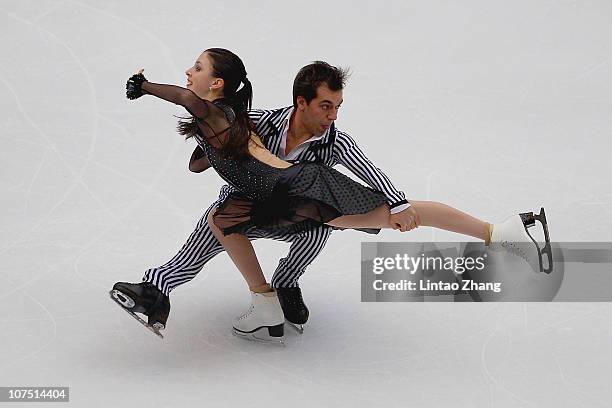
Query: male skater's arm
[[350, 155]]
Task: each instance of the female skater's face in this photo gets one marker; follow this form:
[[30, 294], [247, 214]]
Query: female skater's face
[[200, 79]]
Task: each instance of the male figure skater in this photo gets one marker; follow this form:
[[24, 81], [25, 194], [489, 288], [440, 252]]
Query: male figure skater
[[304, 131]]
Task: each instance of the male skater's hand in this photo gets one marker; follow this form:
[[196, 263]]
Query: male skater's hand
[[405, 220]]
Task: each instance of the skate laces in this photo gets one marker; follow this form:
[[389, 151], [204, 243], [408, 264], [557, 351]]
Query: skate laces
[[247, 313], [513, 248], [293, 296]]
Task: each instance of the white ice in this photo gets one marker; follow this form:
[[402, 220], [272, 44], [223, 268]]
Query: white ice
[[492, 107]]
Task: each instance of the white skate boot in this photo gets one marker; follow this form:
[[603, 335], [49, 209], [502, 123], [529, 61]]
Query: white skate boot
[[264, 321], [513, 236]]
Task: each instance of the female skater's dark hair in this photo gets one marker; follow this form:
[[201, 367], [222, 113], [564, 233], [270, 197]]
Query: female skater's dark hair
[[229, 67], [313, 75]]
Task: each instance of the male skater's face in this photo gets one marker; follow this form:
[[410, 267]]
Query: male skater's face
[[321, 111]]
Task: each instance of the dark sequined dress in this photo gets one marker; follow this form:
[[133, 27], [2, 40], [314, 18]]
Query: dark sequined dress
[[292, 199]]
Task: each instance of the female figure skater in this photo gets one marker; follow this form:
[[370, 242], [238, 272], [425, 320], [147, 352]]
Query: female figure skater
[[275, 194]]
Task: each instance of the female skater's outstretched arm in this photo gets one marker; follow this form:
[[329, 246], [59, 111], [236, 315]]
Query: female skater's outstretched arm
[[211, 120]]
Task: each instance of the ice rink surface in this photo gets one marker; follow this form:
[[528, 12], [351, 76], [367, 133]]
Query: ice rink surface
[[492, 107]]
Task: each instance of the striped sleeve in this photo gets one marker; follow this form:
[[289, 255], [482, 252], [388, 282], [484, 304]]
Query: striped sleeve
[[255, 115], [347, 153], [262, 126]]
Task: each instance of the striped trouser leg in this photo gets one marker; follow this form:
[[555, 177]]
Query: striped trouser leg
[[201, 247], [305, 247]]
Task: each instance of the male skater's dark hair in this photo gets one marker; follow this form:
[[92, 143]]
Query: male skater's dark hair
[[313, 75], [229, 67]]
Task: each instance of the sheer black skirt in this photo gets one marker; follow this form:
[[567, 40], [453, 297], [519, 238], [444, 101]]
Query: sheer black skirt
[[306, 196]]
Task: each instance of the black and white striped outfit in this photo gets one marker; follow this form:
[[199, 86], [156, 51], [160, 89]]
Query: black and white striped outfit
[[335, 147]]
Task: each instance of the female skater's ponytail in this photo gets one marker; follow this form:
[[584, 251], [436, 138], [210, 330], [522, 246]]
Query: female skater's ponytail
[[229, 67], [244, 96]]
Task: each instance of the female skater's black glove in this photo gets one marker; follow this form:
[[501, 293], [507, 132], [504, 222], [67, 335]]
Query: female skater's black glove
[[133, 87]]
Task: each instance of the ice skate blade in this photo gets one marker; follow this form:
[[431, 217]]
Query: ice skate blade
[[154, 330], [123, 300], [297, 327], [260, 336], [529, 220]]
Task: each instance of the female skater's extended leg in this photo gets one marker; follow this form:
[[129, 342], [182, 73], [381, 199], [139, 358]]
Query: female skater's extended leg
[[431, 214]]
